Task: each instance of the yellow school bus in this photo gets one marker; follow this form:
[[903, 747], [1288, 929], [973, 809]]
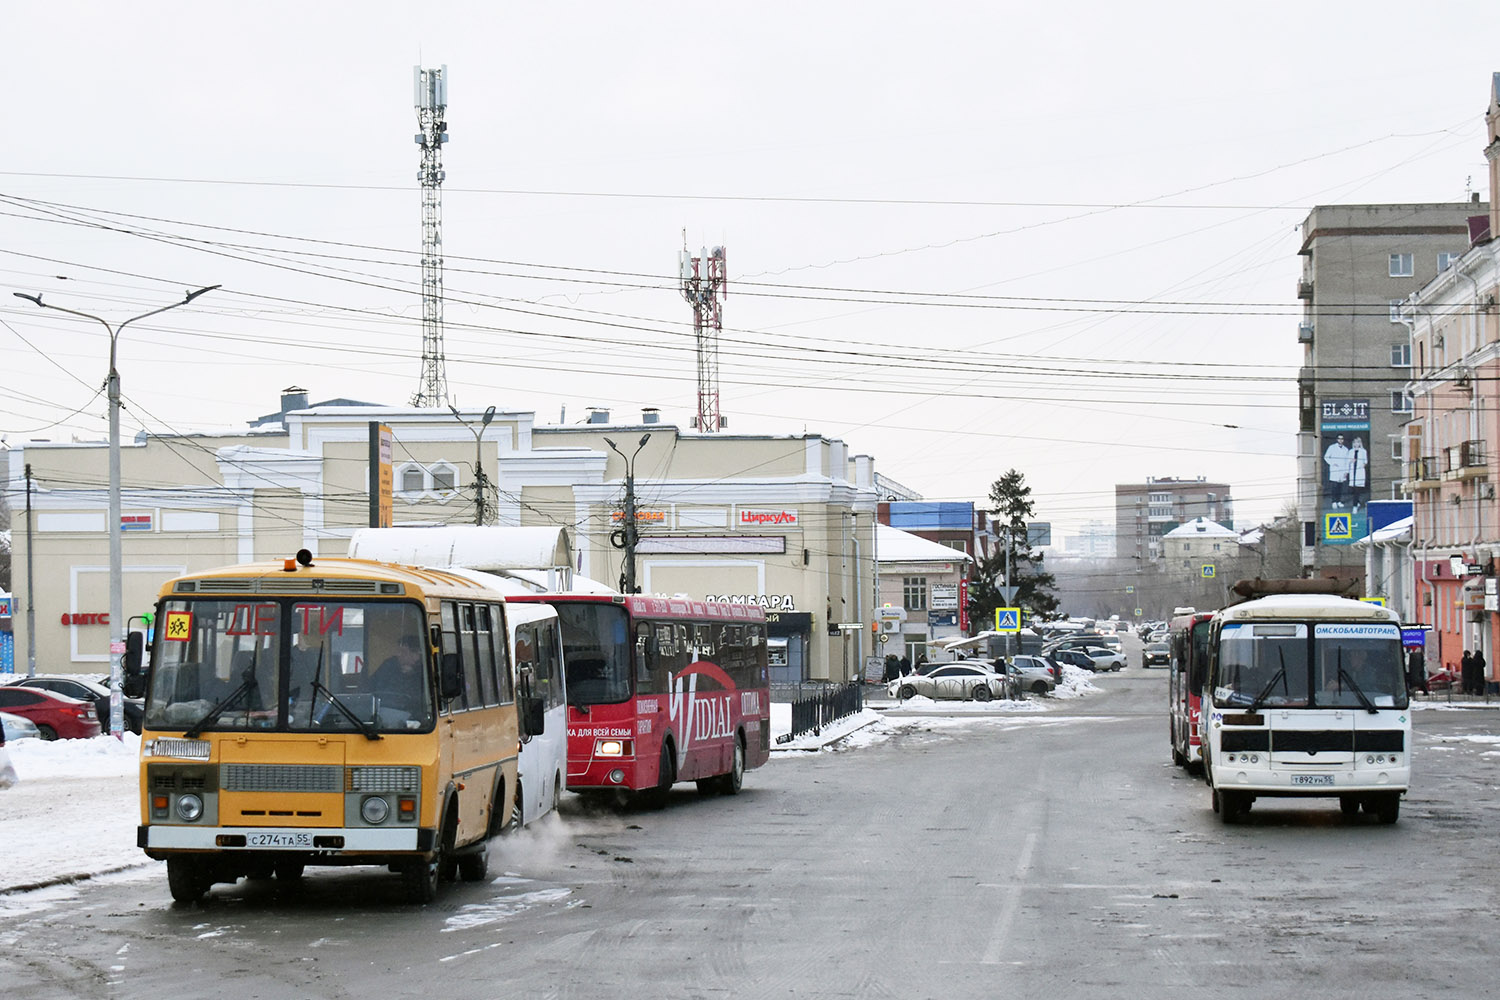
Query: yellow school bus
[[328, 712]]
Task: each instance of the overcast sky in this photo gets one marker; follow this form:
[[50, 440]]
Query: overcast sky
[[962, 237]]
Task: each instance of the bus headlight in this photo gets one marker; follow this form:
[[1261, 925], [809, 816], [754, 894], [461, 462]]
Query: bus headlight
[[374, 809], [612, 748], [189, 808]]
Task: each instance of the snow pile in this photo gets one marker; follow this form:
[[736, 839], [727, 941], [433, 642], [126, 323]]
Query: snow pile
[[1076, 682]]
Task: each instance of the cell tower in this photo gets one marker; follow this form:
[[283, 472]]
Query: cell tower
[[431, 96], [703, 281]]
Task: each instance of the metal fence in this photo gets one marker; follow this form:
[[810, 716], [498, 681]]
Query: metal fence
[[815, 706]]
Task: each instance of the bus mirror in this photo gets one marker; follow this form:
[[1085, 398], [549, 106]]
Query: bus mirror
[[535, 712], [134, 681], [450, 677]]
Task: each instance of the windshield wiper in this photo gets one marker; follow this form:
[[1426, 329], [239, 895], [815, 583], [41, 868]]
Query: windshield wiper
[[368, 728], [1363, 700], [249, 682], [1279, 675]]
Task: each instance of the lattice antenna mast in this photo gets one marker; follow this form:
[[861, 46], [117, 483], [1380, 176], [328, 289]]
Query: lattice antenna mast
[[431, 86], [703, 285]]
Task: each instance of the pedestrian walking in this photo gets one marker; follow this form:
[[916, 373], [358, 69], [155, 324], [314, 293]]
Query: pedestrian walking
[[1479, 667], [1466, 673], [905, 665], [1416, 673]]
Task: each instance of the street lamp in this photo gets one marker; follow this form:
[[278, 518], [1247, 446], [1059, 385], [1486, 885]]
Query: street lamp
[[117, 623], [478, 456], [631, 535]]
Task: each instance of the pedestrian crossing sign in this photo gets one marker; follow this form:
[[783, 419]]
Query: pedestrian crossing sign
[[1373, 600], [1007, 619], [1208, 571], [1338, 526]]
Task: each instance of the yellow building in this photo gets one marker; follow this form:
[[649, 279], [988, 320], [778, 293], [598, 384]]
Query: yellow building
[[785, 521]]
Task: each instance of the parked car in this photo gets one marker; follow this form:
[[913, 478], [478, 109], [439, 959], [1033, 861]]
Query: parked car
[[88, 689], [1032, 673], [964, 680], [1156, 652], [56, 716], [1071, 657], [17, 727], [1104, 658]]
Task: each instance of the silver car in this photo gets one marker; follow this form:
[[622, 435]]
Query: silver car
[[1032, 673], [965, 680]]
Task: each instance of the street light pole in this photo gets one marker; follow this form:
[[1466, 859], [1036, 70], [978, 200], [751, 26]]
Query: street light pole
[[632, 534], [478, 458], [117, 623]]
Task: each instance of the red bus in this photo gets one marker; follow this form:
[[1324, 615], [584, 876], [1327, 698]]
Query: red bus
[[1189, 670], [662, 690]]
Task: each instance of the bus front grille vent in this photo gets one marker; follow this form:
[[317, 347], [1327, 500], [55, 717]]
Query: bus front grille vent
[[383, 779], [282, 778]]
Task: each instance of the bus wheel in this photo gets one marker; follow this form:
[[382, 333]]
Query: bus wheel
[[1177, 757], [419, 879], [1387, 806], [1233, 806], [1215, 799], [666, 777], [187, 878], [473, 867], [731, 783], [1349, 805]]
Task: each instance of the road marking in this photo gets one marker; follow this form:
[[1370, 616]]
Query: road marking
[[1007, 914]]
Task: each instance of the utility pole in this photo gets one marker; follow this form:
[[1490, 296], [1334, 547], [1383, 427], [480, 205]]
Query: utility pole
[[479, 480], [627, 536], [30, 587]]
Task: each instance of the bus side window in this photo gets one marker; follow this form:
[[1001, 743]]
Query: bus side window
[[484, 660], [646, 656], [549, 660], [451, 645], [526, 661], [504, 671]]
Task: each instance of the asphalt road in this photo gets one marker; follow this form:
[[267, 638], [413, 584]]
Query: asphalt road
[[1002, 856]]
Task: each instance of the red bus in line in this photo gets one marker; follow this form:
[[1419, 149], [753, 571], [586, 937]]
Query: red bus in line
[[1190, 643], [662, 690]]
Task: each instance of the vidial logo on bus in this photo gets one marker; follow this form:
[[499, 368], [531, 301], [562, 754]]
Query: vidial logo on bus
[[700, 717]]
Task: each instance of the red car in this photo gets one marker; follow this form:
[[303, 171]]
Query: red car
[[1442, 679], [56, 716]]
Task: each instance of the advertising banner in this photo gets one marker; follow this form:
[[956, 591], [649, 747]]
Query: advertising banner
[[1344, 457]]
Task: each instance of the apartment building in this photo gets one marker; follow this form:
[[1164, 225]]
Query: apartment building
[[1144, 512]]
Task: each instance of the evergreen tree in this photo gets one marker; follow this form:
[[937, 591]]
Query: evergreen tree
[[1011, 505]]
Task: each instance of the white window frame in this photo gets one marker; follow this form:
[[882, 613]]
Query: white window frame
[[1396, 305], [1398, 449], [1401, 355], [1446, 260], [1402, 265], [1401, 401], [429, 490]]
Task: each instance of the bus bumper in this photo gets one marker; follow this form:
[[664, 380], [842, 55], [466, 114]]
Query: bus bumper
[[322, 840], [1311, 781]]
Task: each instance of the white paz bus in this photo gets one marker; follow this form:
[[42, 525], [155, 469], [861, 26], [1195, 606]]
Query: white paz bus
[[1306, 696]]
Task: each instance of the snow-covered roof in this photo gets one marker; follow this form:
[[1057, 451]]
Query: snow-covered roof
[[467, 546], [1201, 527], [895, 545], [1395, 531]]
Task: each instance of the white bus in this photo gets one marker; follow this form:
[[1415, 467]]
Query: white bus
[[1307, 697]]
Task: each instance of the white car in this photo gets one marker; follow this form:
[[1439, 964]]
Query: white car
[[964, 680], [1104, 658], [1032, 673]]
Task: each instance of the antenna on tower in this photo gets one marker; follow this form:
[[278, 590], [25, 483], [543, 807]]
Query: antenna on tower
[[431, 98], [703, 281]]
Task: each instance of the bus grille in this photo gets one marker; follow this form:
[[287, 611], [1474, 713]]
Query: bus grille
[[282, 778], [384, 779]]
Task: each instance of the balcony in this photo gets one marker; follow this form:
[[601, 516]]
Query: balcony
[[1423, 474], [1466, 461]]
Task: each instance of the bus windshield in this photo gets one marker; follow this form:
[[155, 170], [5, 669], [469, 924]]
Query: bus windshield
[[596, 652], [1352, 665], [1358, 666], [290, 665], [1262, 665]]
